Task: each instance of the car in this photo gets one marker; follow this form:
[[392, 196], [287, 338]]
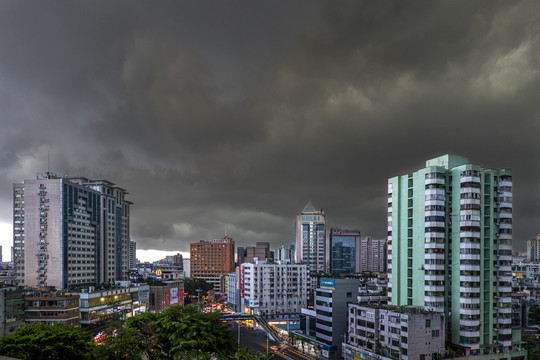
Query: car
[[274, 348]]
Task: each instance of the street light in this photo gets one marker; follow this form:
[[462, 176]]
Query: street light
[[198, 298]]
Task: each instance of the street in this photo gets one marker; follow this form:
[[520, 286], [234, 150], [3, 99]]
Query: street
[[255, 340]]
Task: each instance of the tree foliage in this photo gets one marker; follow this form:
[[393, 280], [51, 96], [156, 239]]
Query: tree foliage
[[186, 333], [120, 343], [44, 342], [191, 285]]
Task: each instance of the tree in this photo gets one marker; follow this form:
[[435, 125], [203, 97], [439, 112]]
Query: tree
[[191, 285], [533, 348], [146, 333], [44, 342], [186, 333], [120, 343]]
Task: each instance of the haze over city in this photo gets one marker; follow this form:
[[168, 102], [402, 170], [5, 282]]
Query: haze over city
[[226, 117]]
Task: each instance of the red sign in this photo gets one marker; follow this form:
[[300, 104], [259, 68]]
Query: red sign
[[241, 280]]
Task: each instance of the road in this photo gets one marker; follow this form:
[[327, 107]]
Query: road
[[255, 340]]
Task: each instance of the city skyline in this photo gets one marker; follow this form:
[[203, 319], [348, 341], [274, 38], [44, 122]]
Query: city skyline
[[225, 118]]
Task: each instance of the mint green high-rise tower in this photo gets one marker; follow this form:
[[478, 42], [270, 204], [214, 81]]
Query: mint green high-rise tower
[[449, 249]]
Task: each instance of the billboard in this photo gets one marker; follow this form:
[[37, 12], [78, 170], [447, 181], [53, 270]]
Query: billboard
[[241, 277], [174, 296], [327, 283]]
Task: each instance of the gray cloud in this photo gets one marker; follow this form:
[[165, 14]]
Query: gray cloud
[[227, 116]]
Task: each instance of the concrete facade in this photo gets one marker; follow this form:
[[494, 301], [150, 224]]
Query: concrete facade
[[449, 248], [274, 289]]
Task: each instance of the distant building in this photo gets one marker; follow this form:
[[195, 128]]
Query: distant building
[[45, 307], [11, 309], [233, 291], [273, 289], [386, 333], [284, 254], [212, 260], [311, 238], [186, 266], [261, 251], [132, 254], [345, 256], [533, 249], [374, 255]]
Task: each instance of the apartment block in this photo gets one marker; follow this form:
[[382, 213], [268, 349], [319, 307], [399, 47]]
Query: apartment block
[[45, 307], [386, 333], [274, 289], [373, 255], [69, 232], [449, 249], [533, 249]]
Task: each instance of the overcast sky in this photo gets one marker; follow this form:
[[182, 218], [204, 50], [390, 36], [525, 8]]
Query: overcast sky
[[226, 116]]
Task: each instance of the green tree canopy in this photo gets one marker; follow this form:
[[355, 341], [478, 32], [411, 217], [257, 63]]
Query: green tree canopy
[[191, 285], [45, 342], [186, 333]]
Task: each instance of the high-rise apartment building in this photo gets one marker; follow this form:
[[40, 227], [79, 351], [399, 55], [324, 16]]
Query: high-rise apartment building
[[345, 256], [115, 215], [311, 238], [211, 260], [533, 249], [64, 234], [449, 249], [373, 255]]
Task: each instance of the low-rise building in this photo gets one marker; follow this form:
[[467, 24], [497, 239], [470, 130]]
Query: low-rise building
[[167, 294], [46, 307], [11, 309], [385, 333]]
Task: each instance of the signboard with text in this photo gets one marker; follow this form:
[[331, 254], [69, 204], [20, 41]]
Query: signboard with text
[[327, 283]]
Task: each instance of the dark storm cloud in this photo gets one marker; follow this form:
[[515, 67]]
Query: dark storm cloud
[[227, 116]]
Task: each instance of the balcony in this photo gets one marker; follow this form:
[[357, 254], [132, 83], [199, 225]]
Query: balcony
[[469, 278], [469, 267], [469, 289], [469, 245], [469, 201], [505, 310], [469, 234], [505, 289], [464, 322], [434, 213], [505, 204], [469, 333], [505, 226], [434, 224], [435, 202], [505, 331], [434, 267], [469, 256], [469, 311], [467, 179], [433, 287], [468, 300], [435, 180], [434, 277], [505, 215], [505, 321]]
